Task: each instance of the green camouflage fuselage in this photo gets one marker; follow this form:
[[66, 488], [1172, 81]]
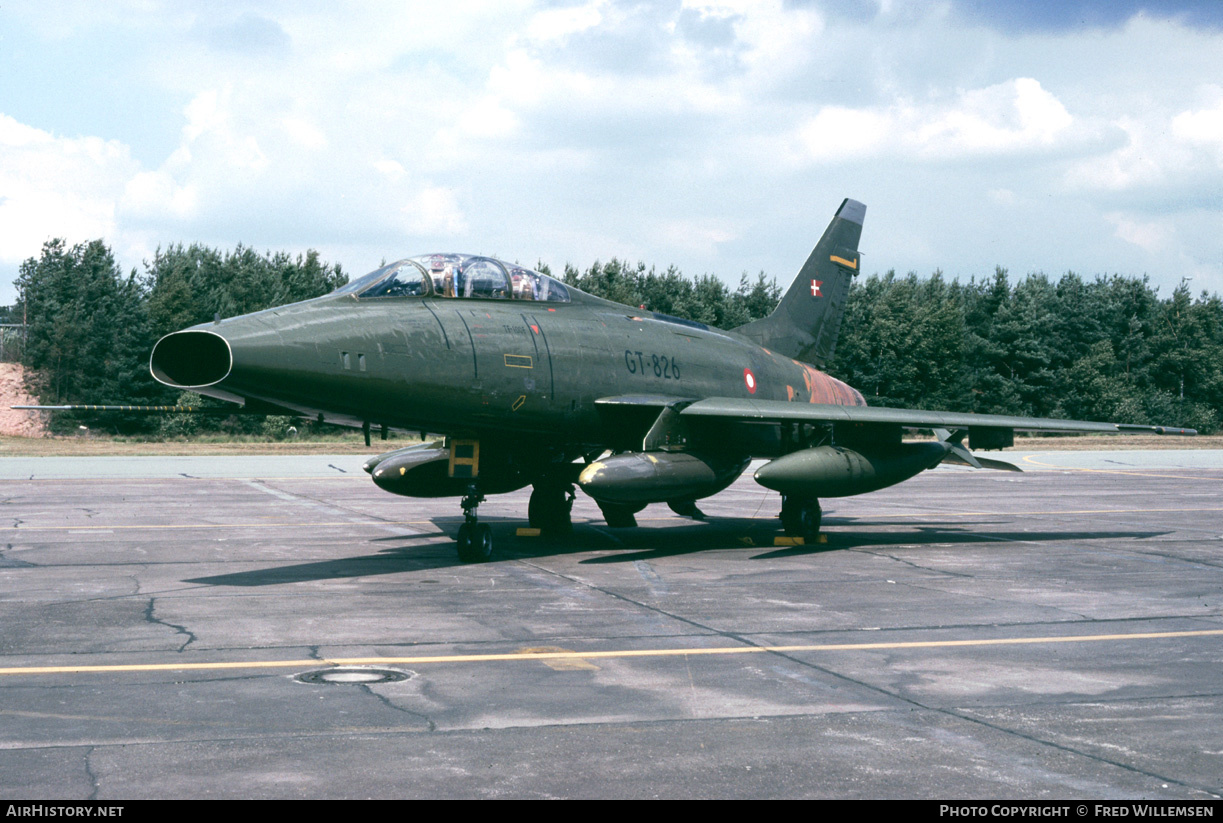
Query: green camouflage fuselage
[[493, 368]]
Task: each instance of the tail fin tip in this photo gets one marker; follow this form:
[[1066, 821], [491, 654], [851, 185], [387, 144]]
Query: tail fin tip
[[852, 210]]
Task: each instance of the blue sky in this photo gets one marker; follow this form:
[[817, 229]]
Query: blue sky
[[716, 136]]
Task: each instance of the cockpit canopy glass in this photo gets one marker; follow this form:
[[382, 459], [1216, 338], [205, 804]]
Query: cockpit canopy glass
[[460, 276]]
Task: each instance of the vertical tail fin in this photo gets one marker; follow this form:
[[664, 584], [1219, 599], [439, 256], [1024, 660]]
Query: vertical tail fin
[[806, 322]]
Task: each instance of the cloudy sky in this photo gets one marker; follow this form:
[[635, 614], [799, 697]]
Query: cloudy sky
[[718, 136]]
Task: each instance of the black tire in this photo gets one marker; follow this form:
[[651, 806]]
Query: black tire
[[537, 508], [549, 511], [809, 519], [791, 521], [801, 517], [475, 543]]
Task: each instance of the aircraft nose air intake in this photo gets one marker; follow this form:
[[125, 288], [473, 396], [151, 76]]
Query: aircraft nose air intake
[[190, 359]]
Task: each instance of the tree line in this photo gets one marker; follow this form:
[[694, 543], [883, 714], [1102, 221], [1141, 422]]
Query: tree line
[[1107, 348], [90, 328]]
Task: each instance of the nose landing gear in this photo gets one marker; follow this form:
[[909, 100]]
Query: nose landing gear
[[475, 543]]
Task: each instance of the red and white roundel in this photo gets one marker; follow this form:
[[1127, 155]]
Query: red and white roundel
[[750, 380]]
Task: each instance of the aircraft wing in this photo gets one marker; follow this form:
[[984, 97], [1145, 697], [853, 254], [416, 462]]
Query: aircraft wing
[[780, 410]]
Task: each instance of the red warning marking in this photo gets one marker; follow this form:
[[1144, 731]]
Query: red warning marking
[[749, 380], [535, 328]]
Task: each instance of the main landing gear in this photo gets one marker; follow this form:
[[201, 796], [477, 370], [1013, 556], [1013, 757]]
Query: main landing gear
[[549, 509], [800, 517], [475, 538]]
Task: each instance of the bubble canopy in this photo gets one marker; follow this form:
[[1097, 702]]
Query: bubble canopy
[[457, 276]]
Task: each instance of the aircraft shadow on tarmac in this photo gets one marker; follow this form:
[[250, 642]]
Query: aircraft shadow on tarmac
[[630, 545]]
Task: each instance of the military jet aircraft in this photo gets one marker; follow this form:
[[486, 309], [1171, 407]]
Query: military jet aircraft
[[529, 381]]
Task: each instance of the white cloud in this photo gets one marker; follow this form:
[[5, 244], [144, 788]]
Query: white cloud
[[155, 194], [304, 132], [390, 168], [1015, 117], [433, 211], [1148, 235], [56, 187], [1202, 128], [1170, 157], [701, 236], [556, 24], [705, 134], [837, 133]]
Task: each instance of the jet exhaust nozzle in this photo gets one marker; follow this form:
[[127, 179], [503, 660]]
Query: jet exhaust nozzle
[[191, 359]]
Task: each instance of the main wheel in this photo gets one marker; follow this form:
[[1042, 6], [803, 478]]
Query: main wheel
[[548, 510], [475, 544], [809, 519], [801, 517]]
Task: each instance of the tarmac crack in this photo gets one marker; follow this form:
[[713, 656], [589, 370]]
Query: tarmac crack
[[151, 618], [89, 773], [912, 565], [429, 724]]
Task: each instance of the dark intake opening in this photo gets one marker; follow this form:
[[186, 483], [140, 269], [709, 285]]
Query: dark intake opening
[[191, 358]]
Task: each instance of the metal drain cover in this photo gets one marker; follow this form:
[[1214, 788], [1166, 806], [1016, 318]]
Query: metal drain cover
[[345, 675]]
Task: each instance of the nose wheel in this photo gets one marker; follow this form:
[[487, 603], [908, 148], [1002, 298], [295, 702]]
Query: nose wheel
[[475, 542]]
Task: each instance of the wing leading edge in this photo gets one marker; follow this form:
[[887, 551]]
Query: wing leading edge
[[780, 410]]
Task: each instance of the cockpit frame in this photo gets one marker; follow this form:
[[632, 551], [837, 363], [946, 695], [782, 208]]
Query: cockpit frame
[[452, 275]]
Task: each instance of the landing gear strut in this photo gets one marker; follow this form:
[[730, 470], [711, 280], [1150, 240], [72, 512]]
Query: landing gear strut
[[549, 509], [800, 517], [475, 538]]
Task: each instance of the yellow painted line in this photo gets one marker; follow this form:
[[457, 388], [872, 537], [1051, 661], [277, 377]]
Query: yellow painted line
[[523, 532], [853, 264], [933, 513], [278, 524], [1028, 459], [594, 655], [361, 476]]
